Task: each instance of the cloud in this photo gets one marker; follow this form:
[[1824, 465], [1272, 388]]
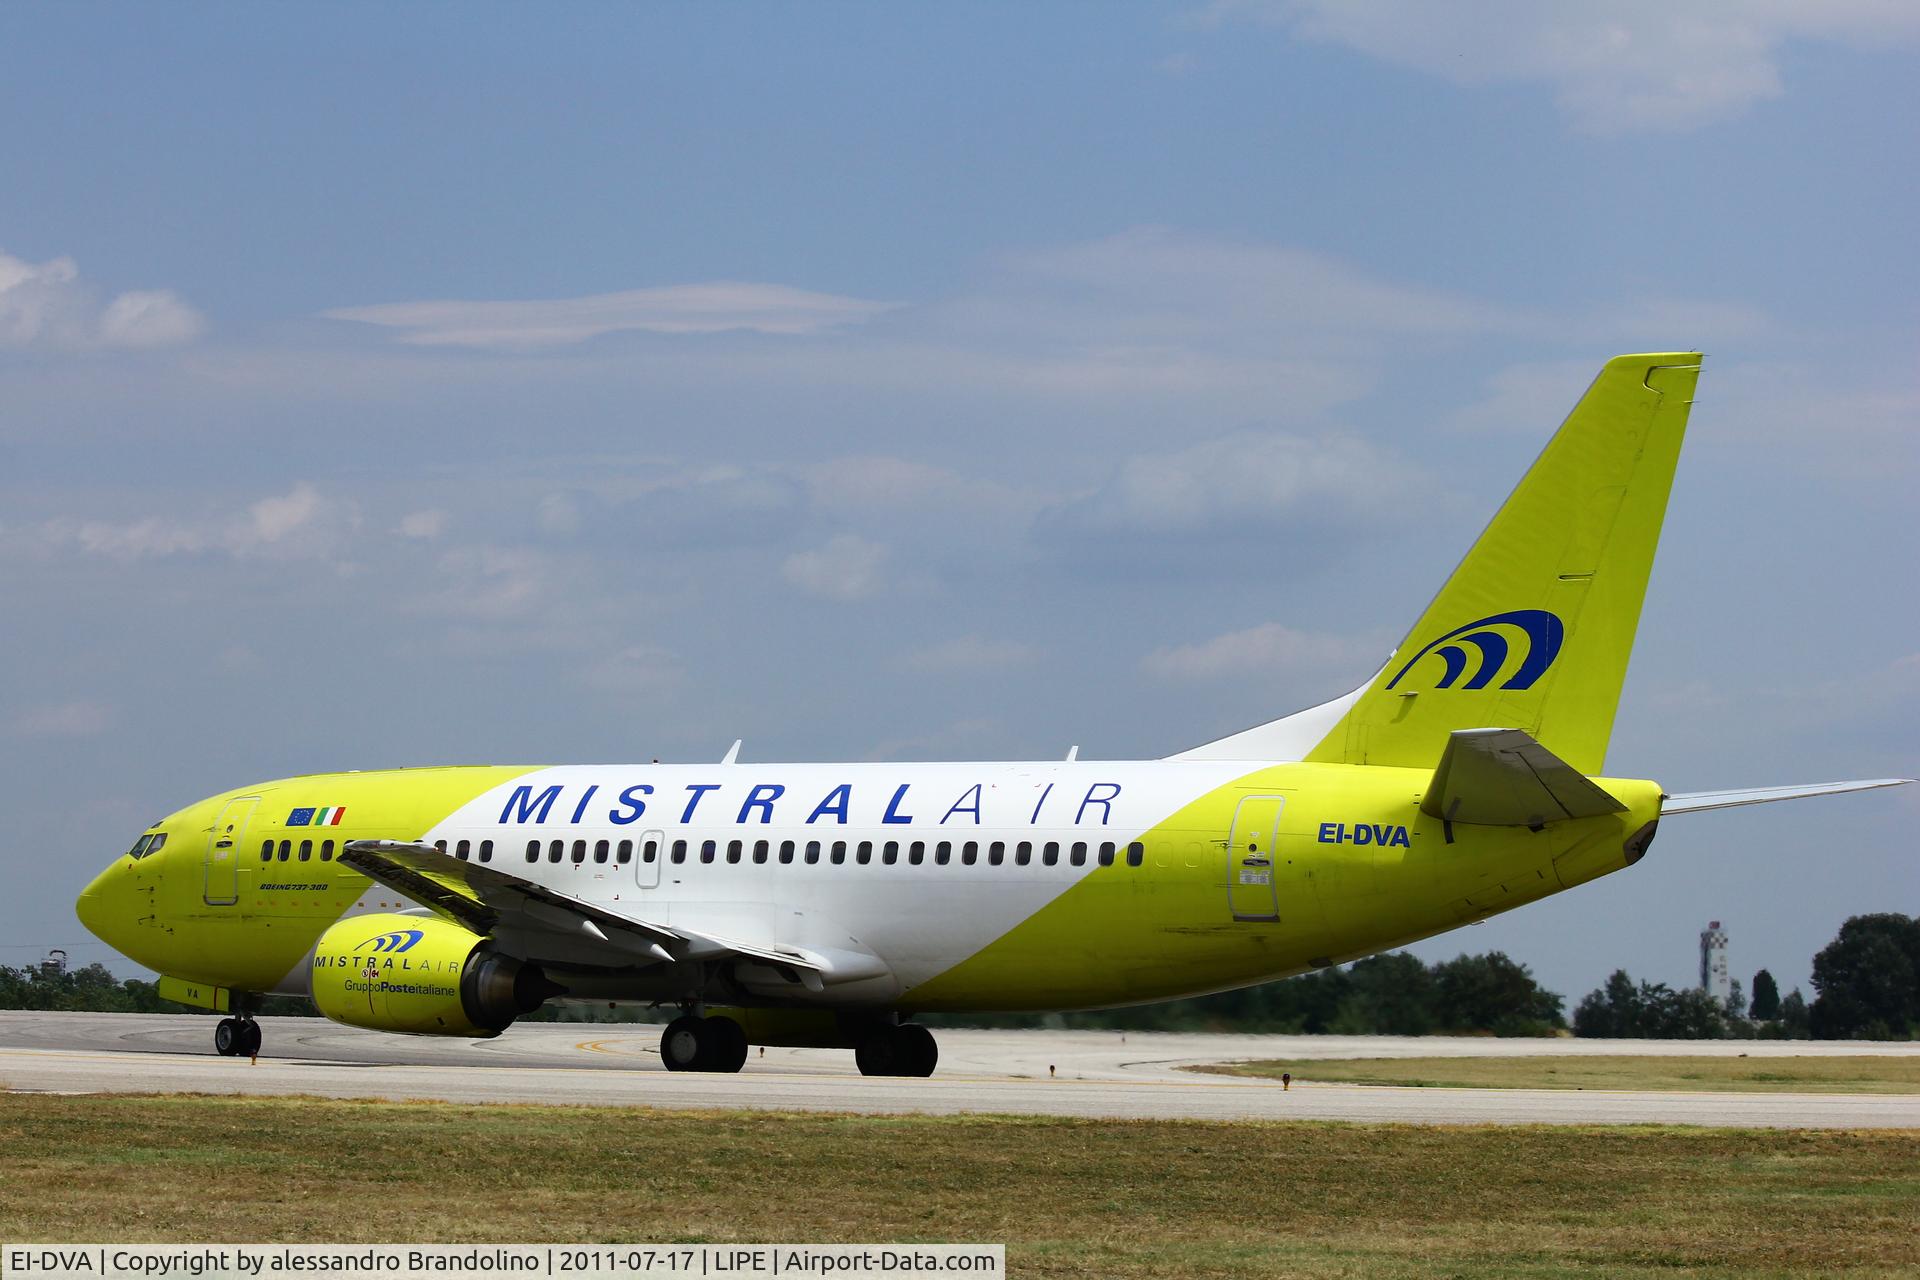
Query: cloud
[[48, 306], [1268, 649], [679, 309], [66, 720], [1614, 68], [425, 525], [1249, 481], [848, 567], [298, 524], [971, 653]]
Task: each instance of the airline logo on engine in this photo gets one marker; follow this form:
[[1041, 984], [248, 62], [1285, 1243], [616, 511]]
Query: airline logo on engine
[[398, 940]]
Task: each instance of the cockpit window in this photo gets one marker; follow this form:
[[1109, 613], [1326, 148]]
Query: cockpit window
[[149, 843]]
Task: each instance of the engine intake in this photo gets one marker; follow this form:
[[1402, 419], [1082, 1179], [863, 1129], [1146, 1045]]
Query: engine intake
[[424, 975]]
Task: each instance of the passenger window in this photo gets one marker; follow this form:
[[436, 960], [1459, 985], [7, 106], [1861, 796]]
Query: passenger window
[[890, 852], [996, 853], [917, 852], [286, 850], [461, 850], [555, 850], [786, 851], [486, 850], [579, 852], [707, 849], [839, 854], [649, 850], [1023, 853], [441, 845], [601, 848], [733, 850], [266, 850], [813, 852], [760, 848], [943, 852], [679, 851], [1050, 853], [1136, 854], [1106, 853], [623, 852], [306, 851], [1079, 853], [533, 851], [863, 852], [970, 852], [326, 851]]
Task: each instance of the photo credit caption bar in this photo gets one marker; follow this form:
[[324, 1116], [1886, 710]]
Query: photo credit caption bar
[[571, 1261]]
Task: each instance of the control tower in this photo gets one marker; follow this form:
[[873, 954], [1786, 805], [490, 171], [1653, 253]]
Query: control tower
[[1714, 978]]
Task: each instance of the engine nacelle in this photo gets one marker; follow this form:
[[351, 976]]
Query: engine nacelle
[[424, 975]]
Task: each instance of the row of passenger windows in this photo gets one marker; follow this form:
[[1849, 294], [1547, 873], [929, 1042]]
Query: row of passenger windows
[[466, 851], [286, 850], [969, 851]]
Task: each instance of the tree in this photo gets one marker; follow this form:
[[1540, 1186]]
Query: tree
[[1651, 1010], [1493, 993], [1766, 997], [1795, 1022], [1867, 980]]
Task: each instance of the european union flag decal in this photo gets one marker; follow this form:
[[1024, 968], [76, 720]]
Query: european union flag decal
[[300, 818]]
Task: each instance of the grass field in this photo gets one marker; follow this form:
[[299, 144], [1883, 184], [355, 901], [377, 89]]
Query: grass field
[[1874, 1073], [1069, 1197]]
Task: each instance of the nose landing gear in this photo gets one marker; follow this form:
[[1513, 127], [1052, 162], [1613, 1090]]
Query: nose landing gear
[[237, 1037]]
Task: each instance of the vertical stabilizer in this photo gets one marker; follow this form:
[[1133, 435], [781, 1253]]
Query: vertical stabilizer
[[1534, 628]]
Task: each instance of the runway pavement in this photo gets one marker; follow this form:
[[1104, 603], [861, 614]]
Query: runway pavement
[[1094, 1074]]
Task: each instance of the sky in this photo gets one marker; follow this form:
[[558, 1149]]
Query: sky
[[428, 384]]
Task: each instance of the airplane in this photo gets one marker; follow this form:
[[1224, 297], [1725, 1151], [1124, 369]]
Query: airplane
[[827, 905]]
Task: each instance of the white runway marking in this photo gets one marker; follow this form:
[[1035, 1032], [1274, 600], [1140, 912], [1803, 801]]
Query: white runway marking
[[1138, 1075]]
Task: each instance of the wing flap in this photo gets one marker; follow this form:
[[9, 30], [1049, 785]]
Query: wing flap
[[1504, 778], [486, 899]]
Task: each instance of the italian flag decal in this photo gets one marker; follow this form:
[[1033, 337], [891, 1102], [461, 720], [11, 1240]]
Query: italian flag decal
[[329, 817]]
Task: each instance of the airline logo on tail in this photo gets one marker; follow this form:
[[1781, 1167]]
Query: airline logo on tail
[[1534, 634]]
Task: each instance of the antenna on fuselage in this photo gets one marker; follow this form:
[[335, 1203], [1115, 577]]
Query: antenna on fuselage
[[733, 753], [1073, 753]]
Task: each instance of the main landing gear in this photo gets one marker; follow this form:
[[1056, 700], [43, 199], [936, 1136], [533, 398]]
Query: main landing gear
[[692, 1043], [237, 1037], [718, 1043], [904, 1050]]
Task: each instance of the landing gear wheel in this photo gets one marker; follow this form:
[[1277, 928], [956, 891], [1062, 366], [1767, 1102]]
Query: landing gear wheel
[[905, 1050], [249, 1040], [226, 1037], [919, 1049], [726, 1045], [703, 1044], [683, 1044]]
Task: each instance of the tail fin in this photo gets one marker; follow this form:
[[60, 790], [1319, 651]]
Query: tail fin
[[1534, 628]]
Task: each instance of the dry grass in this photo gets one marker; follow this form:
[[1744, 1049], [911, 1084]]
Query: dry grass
[[1070, 1197], [1867, 1073]]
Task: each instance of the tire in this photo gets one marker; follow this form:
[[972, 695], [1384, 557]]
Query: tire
[[226, 1037], [726, 1045], [919, 1052], [249, 1040], [683, 1045]]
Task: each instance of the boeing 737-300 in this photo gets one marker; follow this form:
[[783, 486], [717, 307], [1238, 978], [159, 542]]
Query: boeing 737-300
[[827, 904]]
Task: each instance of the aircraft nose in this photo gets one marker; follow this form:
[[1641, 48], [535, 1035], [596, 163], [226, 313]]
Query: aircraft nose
[[110, 907]]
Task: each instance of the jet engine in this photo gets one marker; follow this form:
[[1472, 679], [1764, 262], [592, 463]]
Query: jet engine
[[424, 975]]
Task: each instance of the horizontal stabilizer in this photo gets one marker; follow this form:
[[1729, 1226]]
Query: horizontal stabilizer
[[1503, 778], [1697, 801]]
